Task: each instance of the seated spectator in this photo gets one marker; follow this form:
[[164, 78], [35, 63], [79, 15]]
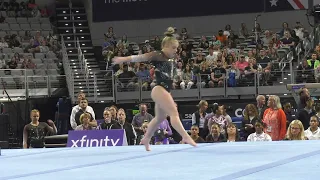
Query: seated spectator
[[314, 62], [222, 38], [84, 109], [232, 134], [295, 131], [108, 122], [251, 70], [127, 80], [218, 74], [85, 119], [205, 77], [76, 108], [130, 132], [304, 74], [144, 76], [187, 78], [163, 133], [233, 75], [287, 40], [241, 64], [35, 131], [215, 135], [195, 135], [259, 135], [144, 128], [157, 43], [313, 132]]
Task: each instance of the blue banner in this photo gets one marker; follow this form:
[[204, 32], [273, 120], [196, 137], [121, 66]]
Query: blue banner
[[118, 10]]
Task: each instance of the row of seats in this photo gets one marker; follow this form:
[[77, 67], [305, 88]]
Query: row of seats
[[28, 72], [22, 33], [8, 53], [21, 20], [25, 27]]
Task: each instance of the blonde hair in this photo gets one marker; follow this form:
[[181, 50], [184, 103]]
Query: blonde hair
[[169, 37], [276, 101], [83, 116], [301, 135], [35, 111], [145, 124], [202, 103]]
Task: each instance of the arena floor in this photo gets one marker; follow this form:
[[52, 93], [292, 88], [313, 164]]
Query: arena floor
[[245, 161]]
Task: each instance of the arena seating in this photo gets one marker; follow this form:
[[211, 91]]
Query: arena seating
[[44, 77]]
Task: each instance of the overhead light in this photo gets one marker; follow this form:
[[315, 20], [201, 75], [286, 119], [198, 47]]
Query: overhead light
[[67, 30], [80, 24], [83, 44], [289, 74], [69, 44], [85, 51], [285, 94], [77, 11], [70, 51], [78, 17], [82, 37], [66, 24], [68, 37], [80, 30], [63, 11], [65, 17], [281, 82]]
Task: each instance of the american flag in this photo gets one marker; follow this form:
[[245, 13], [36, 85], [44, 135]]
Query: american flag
[[285, 5]]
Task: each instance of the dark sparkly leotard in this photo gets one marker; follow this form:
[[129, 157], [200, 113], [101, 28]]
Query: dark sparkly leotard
[[163, 69]]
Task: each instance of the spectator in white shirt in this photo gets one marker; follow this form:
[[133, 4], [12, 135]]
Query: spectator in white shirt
[[76, 108], [313, 132], [259, 135]]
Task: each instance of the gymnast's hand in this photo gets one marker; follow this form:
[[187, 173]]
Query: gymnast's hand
[[119, 60]]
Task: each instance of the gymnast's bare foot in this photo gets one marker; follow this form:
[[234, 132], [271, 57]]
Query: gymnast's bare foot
[[189, 140], [146, 142]]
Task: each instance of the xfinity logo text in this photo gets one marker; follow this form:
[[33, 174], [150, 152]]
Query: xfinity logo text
[[83, 142], [122, 1]]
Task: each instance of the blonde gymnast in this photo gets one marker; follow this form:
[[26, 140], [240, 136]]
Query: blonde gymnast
[[164, 104]]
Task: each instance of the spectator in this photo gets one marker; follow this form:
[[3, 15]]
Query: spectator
[[108, 122], [85, 120], [259, 135], [130, 132], [142, 117], [275, 119], [77, 108], [199, 120], [295, 131], [304, 115], [250, 117], [313, 132], [215, 135]]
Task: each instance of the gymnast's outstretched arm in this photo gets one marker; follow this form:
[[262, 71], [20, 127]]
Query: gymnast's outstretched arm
[[135, 58]]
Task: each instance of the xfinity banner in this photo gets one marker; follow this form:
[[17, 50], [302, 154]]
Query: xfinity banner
[[117, 10], [97, 138]]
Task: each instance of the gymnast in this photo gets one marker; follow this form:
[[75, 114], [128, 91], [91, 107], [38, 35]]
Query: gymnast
[[160, 94]]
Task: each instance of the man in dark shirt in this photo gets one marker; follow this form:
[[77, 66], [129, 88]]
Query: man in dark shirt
[[127, 79], [218, 74]]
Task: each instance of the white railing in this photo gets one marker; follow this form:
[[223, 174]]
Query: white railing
[[83, 65], [67, 70]]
